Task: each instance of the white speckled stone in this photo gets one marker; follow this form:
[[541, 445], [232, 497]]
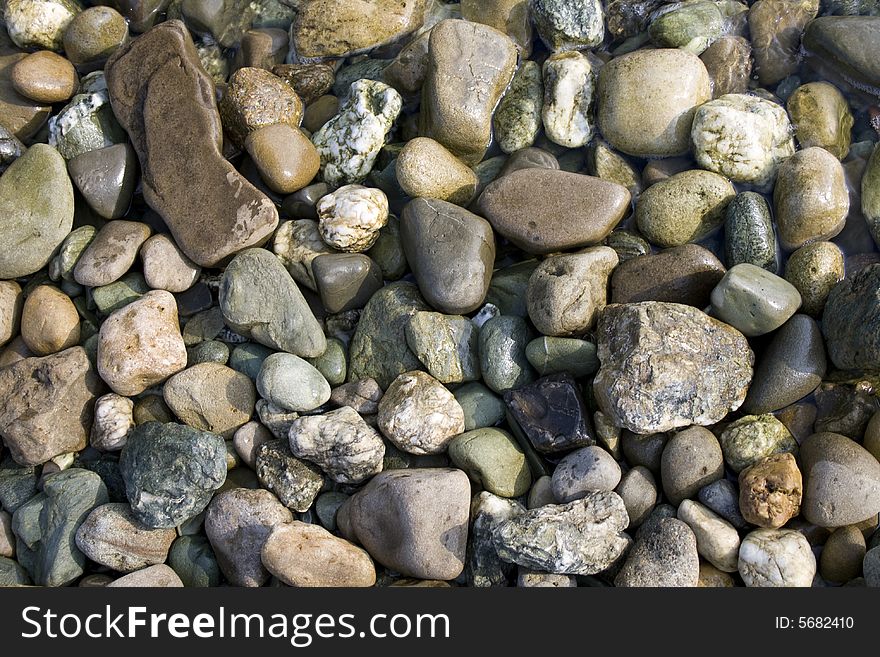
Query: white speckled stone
[[350, 218], [776, 558], [569, 86]]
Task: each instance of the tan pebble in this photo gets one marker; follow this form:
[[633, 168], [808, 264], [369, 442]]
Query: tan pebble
[[160, 576], [11, 301], [45, 77], [166, 267], [425, 168], [770, 491], [286, 159], [319, 112], [49, 321], [841, 558]]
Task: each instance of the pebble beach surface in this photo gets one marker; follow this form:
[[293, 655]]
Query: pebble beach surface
[[418, 293]]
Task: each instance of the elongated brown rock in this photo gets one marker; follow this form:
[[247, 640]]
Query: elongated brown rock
[[163, 97], [546, 210]]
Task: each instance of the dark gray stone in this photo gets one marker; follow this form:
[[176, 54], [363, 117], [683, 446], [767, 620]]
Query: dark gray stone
[[664, 555], [295, 482]]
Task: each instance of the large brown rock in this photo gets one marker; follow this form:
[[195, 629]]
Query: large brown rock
[[163, 97], [46, 405]]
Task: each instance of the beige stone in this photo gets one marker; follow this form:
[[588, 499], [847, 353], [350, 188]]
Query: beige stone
[[166, 267], [159, 576], [425, 168], [11, 301], [211, 397], [49, 321], [286, 159]]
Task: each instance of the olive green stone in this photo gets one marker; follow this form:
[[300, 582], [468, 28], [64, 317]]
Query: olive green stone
[[248, 358], [507, 289], [753, 437], [209, 351], [627, 244], [607, 164], [482, 408], [204, 325], [748, 233], [691, 26], [117, 294], [332, 363], [549, 355], [753, 300], [345, 281], [517, 120], [814, 269], [387, 251], [492, 459], [821, 117], [446, 345], [93, 36], [72, 248], [871, 194], [503, 361], [85, 124]]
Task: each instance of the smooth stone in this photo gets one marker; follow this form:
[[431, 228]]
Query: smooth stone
[[582, 210], [666, 84], [332, 363], [447, 345], [326, 507], [527, 158], [341, 443], [297, 243], [841, 45], [583, 537], [11, 303], [509, 16], [754, 437], [871, 440], [844, 409], [728, 60], [776, 558], [378, 349], [111, 253], [481, 407], [814, 269], [691, 460], [36, 206], [264, 48], [722, 497], [749, 236], [192, 558], [665, 555], [112, 537], [586, 470], [753, 300], [552, 414], [541, 493], [93, 35], [21, 117], [690, 27], [517, 119], [870, 189], [363, 396], [451, 252], [810, 198], [607, 164], [47, 405], [39, 24], [86, 123], [638, 490], [248, 358], [492, 460], [643, 375], [387, 251], [871, 567], [304, 555], [854, 344], [821, 117], [790, 368], [683, 274], [502, 344], [106, 178], [158, 576], [165, 266], [151, 408], [742, 137], [507, 289], [18, 483], [247, 439], [129, 288], [310, 81], [291, 383], [295, 482], [469, 67], [568, 24], [49, 321], [841, 481], [287, 323], [44, 77], [71, 249], [550, 355], [237, 524], [211, 209], [412, 521], [407, 71], [140, 344], [569, 93], [425, 168], [776, 27], [193, 397], [254, 99], [113, 423], [171, 471], [350, 141], [842, 556], [566, 292], [770, 491], [45, 526], [286, 159], [683, 208], [717, 540], [350, 218]]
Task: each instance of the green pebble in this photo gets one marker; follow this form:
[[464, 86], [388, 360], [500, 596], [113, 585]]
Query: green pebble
[[210, 351], [332, 363], [192, 558], [481, 406], [248, 358], [503, 361], [748, 233], [549, 355], [507, 289], [491, 458], [117, 294], [754, 437]]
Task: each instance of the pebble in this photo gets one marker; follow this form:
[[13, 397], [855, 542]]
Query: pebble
[[297, 244], [643, 373], [518, 119], [287, 324], [44, 77], [854, 345], [304, 555], [446, 345], [7, 538], [332, 363], [569, 90], [711, 577], [870, 196], [419, 415], [821, 117], [749, 236], [841, 481], [36, 206], [871, 567], [107, 178], [754, 437], [350, 141], [509, 16], [666, 84], [49, 321], [776, 557], [254, 99], [484, 567], [93, 35], [11, 303], [451, 253], [469, 67], [607, 164], [728, 60], [502, 344], [742, 137], [683, 208], [566, 292], [18, 483], [171, 471], [638, 490], [492, 459], [192, 558], [810, 198], [753, 300], [310, 81], [47, 405], [158, 576], [583, 537], [691, 460], [113, 537], [165, 266], [291, 383], [111, 253], [286, 159], [363, 396], [775, 27], [192, 396], [586, 470], [39, 24], [551, 413], [247, 439], [684, 274], [350, 218], [551, 355], [113, 423], [843, 554], [425, 168], [582, 211], [480, 406], [717, 540], [790, 368], [85, 124], [412, 521], [341, 443], [12, 574], [568, 25], [871, 440], [664, 555], [295, 482]]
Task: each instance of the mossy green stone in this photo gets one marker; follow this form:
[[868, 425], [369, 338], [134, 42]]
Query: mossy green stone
[[492, 459], [753, 437], [332, 363], [248, 358], [549, 355], [814, 269], [481, 406], [192, 558], [72, 248], [692, 26], [117, 294], [748, 233], [503, 361], [821, 117], [627, 245], [871, 194], [507, 289], [446, 345]]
